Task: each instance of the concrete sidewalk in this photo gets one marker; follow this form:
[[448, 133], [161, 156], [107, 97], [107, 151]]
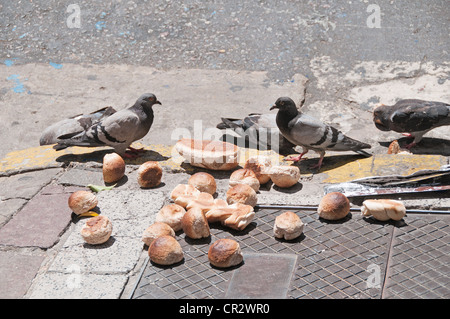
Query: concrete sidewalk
[[44, 256]]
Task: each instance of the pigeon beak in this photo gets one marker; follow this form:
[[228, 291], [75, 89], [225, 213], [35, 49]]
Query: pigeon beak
[[157, 102], [274, 106], [378, 121]]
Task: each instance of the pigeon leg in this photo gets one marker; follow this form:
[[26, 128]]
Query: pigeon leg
[[410, 145], [297, 158], [130, 155], [319, 164]]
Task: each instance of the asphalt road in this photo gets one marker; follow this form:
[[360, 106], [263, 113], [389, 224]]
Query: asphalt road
[[282, 38]]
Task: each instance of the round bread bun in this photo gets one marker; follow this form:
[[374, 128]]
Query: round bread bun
[[224, 253], [334, 206], [260, 165], [171, 214], [284, 176], [165, 250], [96, 230], [149, 174], [242, 193], [82, 201], [194, 224], [204, 182], [288, 226], [156, 230], [113, 167], [214, 155], [244, 176]]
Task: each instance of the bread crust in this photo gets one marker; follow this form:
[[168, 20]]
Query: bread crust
[[334, 206], [96, 230], [165, 250], [82, 201], [224, 253], [149, 174]]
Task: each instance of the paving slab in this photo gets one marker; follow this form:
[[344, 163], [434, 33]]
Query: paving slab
[[40, 223], [77, 285], [17, 270]]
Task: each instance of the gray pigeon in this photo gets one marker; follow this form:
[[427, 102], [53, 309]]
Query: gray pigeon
[[312, 134], [75, 124], [260, 130], [118, 130], [412, 117]]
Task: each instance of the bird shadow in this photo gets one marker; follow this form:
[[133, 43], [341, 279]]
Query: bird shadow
[[329, 163], [97, 156], [427, 146]]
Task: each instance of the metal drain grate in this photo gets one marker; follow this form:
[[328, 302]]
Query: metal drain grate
[[332, 259]]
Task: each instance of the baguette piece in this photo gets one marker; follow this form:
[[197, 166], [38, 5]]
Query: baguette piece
[[383, 209]]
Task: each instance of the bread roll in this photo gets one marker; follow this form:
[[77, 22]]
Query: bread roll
[[284, 176], [96, 230], [224, 253], [149, 174], [156, 230], [113, 167], [288, 226], [165, 250], [215, 155], [244, 176], [82, 201], [260, 165], [334, 206], [195, 224], [204, 182], [242, 193], [171, 214], [182, 194], [383, 209]]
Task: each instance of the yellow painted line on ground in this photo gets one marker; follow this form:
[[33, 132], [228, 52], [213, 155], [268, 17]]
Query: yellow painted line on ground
[[378, 165]]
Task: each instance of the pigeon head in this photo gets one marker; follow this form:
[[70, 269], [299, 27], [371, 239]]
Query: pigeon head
[[380, 118], [284, 104], [148, 99]]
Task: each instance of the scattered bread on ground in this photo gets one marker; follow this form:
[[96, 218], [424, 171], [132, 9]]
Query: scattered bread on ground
[[194, 224], [156, 230], [224, 253], [288, 226], [96, 230], [383, 209], [82, 202], [334, 206], [165, 250], [242, 193], [204, 182], [260, 165], [284, 176], [244, 176], [113, 167], [149, 174], [171, 214]]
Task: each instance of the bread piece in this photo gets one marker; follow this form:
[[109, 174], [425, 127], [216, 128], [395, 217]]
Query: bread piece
[[82, 201], [288, 226], [284, 176], [204, 182], [165, 250], [244, 176], [156, 230], [224, 253], [171, 214], [242, 193], [260, 165], [195, 224], [334, 206], [96, 230], [215, 155], [204, 201], [113, 167], [240, 218], [383, 209], [182, 194], [149, 174]]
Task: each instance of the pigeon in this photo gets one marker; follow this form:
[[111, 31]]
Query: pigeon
[[412, 117], [73, 124], [311, 133], [118, 130], [259, 129]]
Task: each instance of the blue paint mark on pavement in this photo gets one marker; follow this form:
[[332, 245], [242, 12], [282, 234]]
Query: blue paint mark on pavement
[[56, 65], [19, 88]]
